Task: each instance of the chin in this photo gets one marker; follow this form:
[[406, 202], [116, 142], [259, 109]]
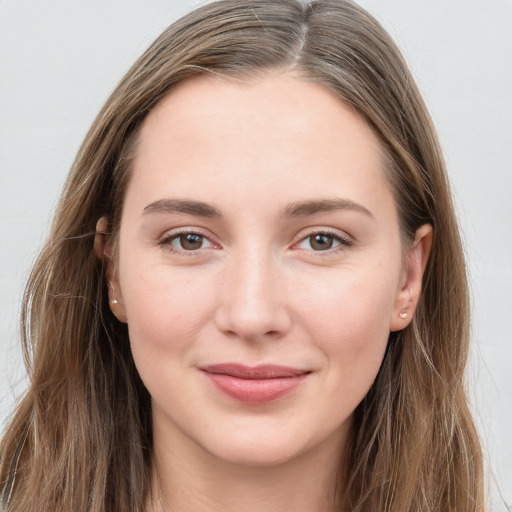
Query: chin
[[262, 454], [260, 445]]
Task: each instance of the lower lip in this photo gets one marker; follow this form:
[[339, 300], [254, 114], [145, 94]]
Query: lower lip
[[255, 391]]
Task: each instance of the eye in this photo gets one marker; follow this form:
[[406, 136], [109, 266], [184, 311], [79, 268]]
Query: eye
[[322, 241], [186, 242]]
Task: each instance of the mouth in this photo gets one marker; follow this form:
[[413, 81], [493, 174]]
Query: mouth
[[254, 385]]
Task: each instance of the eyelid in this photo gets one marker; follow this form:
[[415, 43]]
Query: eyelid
[[166, 240], [344, 240]]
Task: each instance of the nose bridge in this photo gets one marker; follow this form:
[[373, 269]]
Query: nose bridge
[[252, 304]]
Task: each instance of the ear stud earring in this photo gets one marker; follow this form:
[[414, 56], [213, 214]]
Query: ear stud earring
[[114, 301], [403, 315]]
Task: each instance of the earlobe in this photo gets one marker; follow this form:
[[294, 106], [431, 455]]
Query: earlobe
[[118, 310], [102, 251], [115, 299], [409, 293]]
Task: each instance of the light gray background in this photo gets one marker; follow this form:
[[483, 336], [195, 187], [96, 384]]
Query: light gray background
[[59, 60]]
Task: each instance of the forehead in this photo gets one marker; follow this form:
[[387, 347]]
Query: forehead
[[278, 107], [275, 133]]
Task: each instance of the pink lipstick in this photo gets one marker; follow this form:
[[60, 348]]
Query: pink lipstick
[[254, 385]]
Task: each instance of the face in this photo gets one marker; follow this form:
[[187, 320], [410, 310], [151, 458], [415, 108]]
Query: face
[[260, 267]]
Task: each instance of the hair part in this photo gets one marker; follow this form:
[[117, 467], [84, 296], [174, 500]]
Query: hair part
[[88, 415]]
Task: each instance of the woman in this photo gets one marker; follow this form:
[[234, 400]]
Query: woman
[[253, 296]]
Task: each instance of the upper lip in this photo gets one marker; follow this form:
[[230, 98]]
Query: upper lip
[[263, 371]]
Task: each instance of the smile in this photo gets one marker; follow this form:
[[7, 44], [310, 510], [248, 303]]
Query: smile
[[254, 385]]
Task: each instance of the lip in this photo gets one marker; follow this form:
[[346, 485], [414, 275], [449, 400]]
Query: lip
[[254, 384]]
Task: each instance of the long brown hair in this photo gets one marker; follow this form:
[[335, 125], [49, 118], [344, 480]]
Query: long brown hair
[[80, 438]]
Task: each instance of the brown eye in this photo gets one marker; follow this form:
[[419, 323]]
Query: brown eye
[[190, 241], [321, 242], [187, 242]]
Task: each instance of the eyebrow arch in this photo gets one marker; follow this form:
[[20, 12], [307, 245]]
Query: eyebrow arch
[[312, 207], [187, 206], [297, 209]]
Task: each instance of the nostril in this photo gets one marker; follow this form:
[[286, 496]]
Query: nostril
[[262, 327], [251, 304]]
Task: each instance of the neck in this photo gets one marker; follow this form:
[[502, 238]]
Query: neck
[[186, 478]]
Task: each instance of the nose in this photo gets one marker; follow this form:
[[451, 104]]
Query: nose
[[253, 299]]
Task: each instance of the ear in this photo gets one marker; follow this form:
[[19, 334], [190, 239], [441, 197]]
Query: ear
[[410, 288], [102, 250]]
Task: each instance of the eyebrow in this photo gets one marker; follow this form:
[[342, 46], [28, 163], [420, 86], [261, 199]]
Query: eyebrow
[[296, 209], [313, 207], [187, 206]]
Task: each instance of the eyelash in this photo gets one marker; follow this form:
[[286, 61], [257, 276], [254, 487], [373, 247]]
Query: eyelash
[[167, 242], [343, 243]]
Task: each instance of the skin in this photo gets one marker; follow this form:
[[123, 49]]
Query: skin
[[255, 286]]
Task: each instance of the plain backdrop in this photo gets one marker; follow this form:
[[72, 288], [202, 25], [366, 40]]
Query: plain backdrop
[[59, 60]]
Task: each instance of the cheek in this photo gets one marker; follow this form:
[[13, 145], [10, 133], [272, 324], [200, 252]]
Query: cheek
[[349, 321], [165, 310], [163, 322], [352, 302]]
